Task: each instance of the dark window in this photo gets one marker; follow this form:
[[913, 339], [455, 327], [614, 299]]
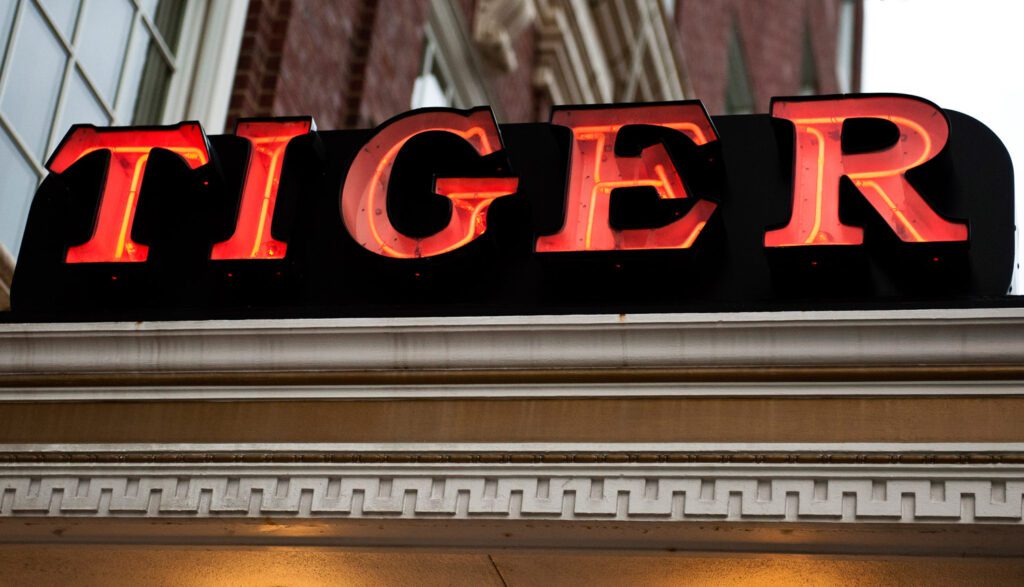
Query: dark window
[[738, 97]]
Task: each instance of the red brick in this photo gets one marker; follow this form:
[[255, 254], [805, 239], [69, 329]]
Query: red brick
[[772, 36], [353, 63]]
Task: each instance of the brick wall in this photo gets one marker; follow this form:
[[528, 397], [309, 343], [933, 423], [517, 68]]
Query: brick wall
[[259, 59], [514, 90], [317, 61], [353, 63], [348, 64], [772, 37], [394, 60]]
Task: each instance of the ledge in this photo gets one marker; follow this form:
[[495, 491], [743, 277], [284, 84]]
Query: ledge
[[885, 340]]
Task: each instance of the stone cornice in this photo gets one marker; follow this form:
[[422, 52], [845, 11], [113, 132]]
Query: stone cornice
[[642, 385], [972, 339]]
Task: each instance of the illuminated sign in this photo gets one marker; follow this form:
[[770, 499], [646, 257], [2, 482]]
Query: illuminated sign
[[879, 175], [850, 201], [365, 195], [596, 170]]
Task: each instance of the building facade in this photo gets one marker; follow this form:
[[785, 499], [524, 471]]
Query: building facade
[[817, 447], [355, 64], [351, 66]]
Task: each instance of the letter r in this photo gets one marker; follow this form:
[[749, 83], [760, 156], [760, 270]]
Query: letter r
[[880, 176]]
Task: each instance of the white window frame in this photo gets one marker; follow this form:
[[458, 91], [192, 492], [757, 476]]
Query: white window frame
[[845, 43], [432, 55], [455, 54], [212, 31], [203, 71]]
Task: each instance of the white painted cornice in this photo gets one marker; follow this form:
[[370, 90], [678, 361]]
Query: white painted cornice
[[632, 389], [862, 339]]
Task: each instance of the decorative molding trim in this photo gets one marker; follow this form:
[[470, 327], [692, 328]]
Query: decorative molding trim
[[638, 37], [977, 338], [571, 63], [496, 25], [518, 454], [503, 457], [966, 495], [816, 389]]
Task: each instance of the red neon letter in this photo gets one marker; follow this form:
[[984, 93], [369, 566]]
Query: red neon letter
[[129, 150], [595, 171], [268, 141], [363, 199], [819, 163]]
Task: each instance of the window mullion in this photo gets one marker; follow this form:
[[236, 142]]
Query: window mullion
[[96, 94], [157, 37], [79, 25], [19, 143], [65, 43], [56, 133], [15, 25]]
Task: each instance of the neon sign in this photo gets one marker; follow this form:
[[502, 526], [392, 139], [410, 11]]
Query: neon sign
[[595, 171], [252, 238], [128, 151], [639, 206], [365, 193], [880, 176]]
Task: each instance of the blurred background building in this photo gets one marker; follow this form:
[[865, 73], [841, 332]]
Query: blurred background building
[[356, 63]]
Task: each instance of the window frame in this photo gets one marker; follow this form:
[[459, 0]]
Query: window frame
[[199, 87], [456, 56]]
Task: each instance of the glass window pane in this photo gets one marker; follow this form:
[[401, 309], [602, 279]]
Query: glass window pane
[[19, 183], [7, 8], [80, 106], [63, 14], [845, 46], [133, 66], [149, 107], [102, 43], [168, 21], [808, 69], [36, 71], [427, 92], [739, 98]]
